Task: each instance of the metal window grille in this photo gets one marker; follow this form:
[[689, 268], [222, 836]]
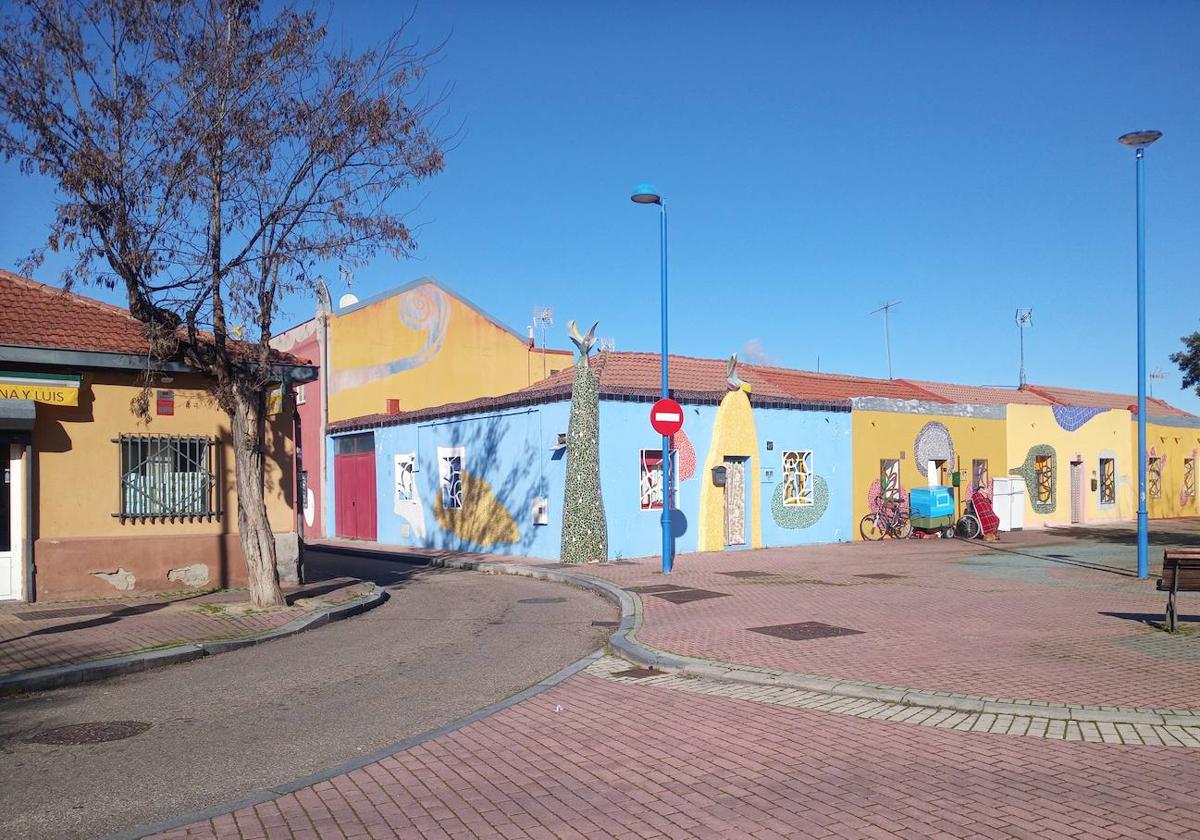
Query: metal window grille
[[1154, 478], [168, 478], [1189, 477], [1043, 466], [797, 478], [889, 480], [1108, 481]]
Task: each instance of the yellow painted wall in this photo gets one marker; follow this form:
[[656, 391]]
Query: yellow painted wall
[[1109, 431], [78, 465], [734, 435], [425, 347], [877, 435], [1174, 443]]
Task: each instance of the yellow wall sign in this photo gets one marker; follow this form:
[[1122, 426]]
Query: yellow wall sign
[[51, 388]]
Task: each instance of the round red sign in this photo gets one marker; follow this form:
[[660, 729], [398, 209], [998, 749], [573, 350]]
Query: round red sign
[[666, 417]]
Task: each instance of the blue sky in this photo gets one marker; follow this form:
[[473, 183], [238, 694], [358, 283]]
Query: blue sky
[[817, 160]]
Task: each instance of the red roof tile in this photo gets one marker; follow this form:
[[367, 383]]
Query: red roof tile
[[33, 314], [1102, 399], [981, 395]]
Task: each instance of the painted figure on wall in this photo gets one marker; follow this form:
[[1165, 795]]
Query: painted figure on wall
[[407, 502], [585, 530]]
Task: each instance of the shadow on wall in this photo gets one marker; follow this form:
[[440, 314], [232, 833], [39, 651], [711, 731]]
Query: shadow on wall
[[501, 476]]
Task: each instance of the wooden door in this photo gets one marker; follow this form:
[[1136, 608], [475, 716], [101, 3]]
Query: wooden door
[[364, 497], [1076, 492], [344, 482], [735, 501]]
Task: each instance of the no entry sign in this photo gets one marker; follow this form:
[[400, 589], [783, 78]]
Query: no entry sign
[[666, 417]]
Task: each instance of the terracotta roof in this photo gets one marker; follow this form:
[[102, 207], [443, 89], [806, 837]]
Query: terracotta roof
[[33, 314], [981, 395], [1102, 399]]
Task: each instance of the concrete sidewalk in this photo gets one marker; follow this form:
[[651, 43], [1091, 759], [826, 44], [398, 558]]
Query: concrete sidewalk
[[48, 644]]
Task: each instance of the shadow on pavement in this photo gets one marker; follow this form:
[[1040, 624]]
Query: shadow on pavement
[[1063, 559], [1162, 533]]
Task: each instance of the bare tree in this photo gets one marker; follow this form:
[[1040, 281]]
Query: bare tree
[[211, 158]]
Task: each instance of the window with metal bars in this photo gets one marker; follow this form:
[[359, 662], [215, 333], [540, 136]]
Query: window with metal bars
[[1189, 478], [1108, 481], [168, 477], [1043, 467], [1154, 477]]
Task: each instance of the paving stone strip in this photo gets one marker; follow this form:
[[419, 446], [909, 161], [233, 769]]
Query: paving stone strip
[[1026, 725], [1102, 724]]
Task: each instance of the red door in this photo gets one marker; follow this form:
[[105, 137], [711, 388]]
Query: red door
[[354, 488]]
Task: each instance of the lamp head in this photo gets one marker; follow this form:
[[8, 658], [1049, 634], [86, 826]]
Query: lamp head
[[646, 194], [1139, 139]]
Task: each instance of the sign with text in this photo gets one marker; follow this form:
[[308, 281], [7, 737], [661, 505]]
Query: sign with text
[[50, 388]]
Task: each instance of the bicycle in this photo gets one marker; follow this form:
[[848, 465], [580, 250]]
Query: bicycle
[[888, 521]]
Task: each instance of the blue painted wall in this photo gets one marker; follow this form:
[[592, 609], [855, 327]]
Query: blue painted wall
[[512, 450]]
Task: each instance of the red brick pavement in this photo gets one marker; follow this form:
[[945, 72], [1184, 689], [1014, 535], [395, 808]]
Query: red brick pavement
[[1002, 624], [100, 629], [595, 759]]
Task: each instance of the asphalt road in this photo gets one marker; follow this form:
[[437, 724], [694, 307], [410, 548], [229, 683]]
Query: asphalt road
[[445, 644]]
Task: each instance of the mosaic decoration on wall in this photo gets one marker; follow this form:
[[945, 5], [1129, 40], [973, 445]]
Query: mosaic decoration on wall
[[423, 309], [407, 500], [796, 516], [797, 478], [685, 456], [1041, 487], [875, 496], [585, 530], [933, 443], [1072, 417]]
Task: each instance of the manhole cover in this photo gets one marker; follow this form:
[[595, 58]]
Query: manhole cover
[[604, 624], [542, 601], [661, 587], [804, 630], [748, 573], [637, 673], [880, 576], [91, 733], [684, 596]]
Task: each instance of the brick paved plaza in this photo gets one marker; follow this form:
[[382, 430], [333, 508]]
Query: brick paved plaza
[[609, 754]]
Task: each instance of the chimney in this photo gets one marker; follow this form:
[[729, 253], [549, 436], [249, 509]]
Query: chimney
[[393, 406]]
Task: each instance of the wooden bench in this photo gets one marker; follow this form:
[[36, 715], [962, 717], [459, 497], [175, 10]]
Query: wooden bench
[[1180, 573]]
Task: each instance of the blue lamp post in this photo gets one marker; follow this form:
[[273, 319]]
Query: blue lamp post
[[1139, 140], [647, 194]]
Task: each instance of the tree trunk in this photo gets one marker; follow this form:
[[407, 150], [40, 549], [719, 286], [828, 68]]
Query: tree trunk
[[254, 529]]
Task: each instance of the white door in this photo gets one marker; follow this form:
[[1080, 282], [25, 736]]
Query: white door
[[10, 522]]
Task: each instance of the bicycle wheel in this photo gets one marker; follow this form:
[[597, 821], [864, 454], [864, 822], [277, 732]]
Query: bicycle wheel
[[870, 528], [902, 528], [969, 527]]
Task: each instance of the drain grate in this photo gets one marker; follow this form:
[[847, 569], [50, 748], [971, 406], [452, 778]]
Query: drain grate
[[748, 573], [881, 576], [804, 630], [637, 673], [90, 733], [605, 624], [660, 587], [542, 601], [686, 596]]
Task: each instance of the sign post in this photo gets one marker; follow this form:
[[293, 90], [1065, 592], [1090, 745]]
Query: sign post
[[666, 418]]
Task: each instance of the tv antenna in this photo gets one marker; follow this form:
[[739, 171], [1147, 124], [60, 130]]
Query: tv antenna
[[887, 335], [1024, 319], [1157, 373], [543, 315]]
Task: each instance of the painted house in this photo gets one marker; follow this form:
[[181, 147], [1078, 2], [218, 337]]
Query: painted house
[[404, 350], [96, 502], [488, 474]]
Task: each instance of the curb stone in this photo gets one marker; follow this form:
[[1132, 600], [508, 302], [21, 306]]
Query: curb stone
[[62, 676], [622, 643]]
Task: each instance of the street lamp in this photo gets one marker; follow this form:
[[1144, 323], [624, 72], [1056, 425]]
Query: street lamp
[[647, 194], [1139, 140]]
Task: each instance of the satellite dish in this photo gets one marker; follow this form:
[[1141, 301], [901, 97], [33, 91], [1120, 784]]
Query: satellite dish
[[347, 299]]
